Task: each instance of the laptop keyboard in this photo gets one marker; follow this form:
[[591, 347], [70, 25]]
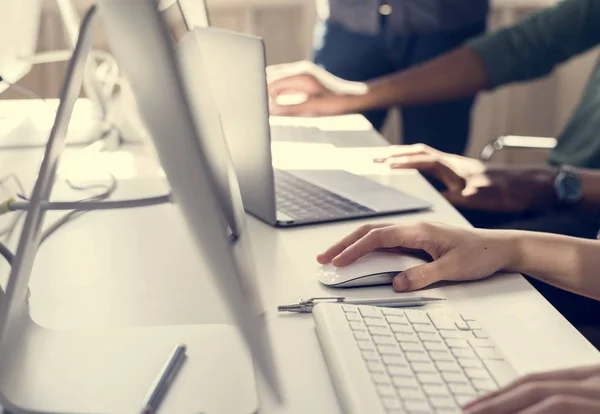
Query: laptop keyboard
[[304, 201]]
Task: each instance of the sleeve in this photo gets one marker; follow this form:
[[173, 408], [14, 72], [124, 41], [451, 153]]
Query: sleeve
[[534, 46]]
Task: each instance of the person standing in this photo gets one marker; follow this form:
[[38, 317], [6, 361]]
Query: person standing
[[359, 40]]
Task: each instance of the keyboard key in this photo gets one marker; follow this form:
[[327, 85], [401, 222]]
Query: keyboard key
[[448, 366], [378, 330], [398, 328], [386, 390], [393, 312], [362, 335], [488, 353], [462, 352], [417, 356], [399, 320], [470, 362], [457, 343], [478, 333], [417, 317], [383, 340], [411, 394], [462, 325], [473, 325], [411, 346], [353, 317], [407, 337], [442, 402], [451, 334], [400, 371], [375, 367], [380, 379], [467, 318], [373, 322], [441, 356], [430, 337], [429, 378], [417, 406], [393, 360], [439, 390], [485, 385], [389, 350], [349, 308], [405, 382], [481, 343], [423, 367], [477, 373], [462, 389], [464, 399], [370, 356], [391, 403], [435, 346], [455, 378], [370, 311], [501, 371], [424, 328], [365, 345], [358, 326], [442, 322]]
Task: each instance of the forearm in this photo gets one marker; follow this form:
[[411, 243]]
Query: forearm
[[454, 75], [565, 262]]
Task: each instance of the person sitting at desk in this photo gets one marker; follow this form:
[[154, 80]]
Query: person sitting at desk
[[471, 254], [364, 39], [488, 197]]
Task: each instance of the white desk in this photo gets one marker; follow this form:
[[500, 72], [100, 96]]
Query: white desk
[[137, 267]]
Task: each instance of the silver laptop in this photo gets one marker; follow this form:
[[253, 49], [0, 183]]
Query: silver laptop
[[235, 65]]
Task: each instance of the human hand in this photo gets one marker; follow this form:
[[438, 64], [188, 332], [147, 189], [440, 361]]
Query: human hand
[[321, 92], [473, 185], [458, 254], [575, 390]]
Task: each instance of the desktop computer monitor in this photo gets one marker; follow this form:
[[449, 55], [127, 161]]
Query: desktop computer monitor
[[177, 107], [19, 27], [14, 304]]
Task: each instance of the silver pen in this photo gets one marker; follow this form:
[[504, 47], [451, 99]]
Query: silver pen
[[306, 306], [164, 380]]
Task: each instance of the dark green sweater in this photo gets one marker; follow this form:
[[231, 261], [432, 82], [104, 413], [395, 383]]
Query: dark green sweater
[[533, 48]]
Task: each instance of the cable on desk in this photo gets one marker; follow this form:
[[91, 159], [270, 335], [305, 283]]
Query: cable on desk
[[72, 215], [12, 205]]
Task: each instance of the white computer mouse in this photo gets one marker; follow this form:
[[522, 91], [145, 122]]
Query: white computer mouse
[[377, 268]]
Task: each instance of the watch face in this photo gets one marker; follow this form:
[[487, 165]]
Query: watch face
[[569, 188]]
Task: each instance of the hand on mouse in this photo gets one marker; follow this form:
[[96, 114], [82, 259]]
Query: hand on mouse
[[458, 254]]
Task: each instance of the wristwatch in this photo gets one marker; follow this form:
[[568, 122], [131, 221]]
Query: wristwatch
[[567, 186]]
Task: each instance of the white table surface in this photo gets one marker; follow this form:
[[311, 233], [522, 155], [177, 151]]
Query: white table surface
[[138, 267]]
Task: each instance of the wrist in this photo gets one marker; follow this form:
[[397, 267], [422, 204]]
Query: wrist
[[513, 246], [380, 95]]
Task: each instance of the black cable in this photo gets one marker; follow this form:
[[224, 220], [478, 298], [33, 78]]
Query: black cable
[[7, 254]]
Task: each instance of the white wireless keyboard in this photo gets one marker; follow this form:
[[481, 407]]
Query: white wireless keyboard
[[385, 360]]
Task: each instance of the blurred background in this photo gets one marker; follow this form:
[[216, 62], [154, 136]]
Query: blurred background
[[536, 109]]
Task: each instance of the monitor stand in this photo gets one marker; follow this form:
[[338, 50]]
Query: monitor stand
[[111, 370]]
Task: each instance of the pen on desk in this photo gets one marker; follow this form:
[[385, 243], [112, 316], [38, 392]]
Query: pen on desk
[[306, 306], [163, 380]]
